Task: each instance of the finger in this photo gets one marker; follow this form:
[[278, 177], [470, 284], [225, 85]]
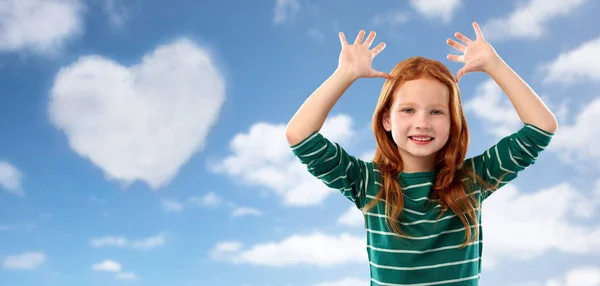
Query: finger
[[369, 40], [478, 31], [460, 74], [343, 39], [460, 47], [463, 38], [456, 58], [376, 50], [359, 37], [380, 74]]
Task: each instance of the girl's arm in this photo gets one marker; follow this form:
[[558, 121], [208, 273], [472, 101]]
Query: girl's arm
[[354, 62], [479, 55], [529, 106]]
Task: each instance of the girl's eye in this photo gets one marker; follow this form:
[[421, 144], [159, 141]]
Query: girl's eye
[[407, 110], [437, 112]]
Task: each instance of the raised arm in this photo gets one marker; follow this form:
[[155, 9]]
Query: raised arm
[[354, 62], [479, 55]]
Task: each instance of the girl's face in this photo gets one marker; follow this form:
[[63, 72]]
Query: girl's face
[[419, 120]]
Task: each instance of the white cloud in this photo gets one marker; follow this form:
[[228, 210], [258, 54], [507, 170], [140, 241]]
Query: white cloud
[[285, 10], [345, 282], [352, 217], [208, 200], [582, 276], [582, 63], [122, 242], [529, 20], [524, 226], [172, 206], [263, 158], [577, 143], [245, 211], [126, 276], [108, 266], [25, 261], [10, 178], [313, 249], [141, 122], [116, 11], [436, 9], [39, 26], [492, 105]]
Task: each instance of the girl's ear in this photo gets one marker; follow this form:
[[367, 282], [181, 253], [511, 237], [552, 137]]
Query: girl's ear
[[386, 121]]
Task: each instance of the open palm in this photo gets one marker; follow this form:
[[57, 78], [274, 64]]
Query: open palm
[[477, 55], [357, 59]]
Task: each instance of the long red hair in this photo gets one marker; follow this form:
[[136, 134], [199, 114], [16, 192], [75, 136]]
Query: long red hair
[[449, 189]]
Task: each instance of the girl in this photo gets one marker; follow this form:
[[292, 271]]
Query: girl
[[420, 197]]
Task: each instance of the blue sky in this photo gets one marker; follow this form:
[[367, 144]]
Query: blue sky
[[141, 142]]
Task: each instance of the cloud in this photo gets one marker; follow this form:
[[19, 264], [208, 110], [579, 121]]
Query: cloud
[[352, 217], [313, 249], [262, 158], [285, 10], [577, 65], [492, 105], [529, 20], [345, 282], [122, 242], [524, 226], [39, 26], [109, 265], [576, 143], [10, 178], [25, 261], [172, 206], [141, 122], [117, 12], [392, 19], [245, 211], [436, 9], [582, 276], [208, 200], [126, 276]]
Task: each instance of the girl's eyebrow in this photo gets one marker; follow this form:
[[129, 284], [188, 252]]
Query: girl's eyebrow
[[436, 105]]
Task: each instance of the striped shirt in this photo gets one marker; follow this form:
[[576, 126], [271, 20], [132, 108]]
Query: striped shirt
[[429, 252]]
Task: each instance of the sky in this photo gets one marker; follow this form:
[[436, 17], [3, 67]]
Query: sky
[[142, 142]]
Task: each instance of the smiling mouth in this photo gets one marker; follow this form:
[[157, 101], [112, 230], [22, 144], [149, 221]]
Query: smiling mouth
[[421, 138]]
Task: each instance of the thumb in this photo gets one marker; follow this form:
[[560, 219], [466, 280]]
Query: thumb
[[375, 73], [461, 72]]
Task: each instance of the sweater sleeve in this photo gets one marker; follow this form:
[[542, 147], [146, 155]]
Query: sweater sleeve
[[330, 163], [502, 163]]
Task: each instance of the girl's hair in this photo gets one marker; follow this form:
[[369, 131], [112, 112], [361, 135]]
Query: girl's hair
[[451, 188]]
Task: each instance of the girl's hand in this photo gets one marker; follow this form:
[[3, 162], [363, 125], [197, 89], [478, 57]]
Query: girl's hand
[[477, 55], [356, 59]]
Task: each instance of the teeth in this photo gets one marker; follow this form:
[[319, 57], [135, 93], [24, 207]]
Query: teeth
[[421, 138]]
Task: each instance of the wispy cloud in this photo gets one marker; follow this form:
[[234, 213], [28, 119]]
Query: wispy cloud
[[39, 26], [147, 243], [312, 249], [529, 20], [24, 261], [285, 10], [10, 178], [436, 9]]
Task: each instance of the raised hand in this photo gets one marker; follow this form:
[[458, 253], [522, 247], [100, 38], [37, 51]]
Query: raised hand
[[477, 55], [357, 59]]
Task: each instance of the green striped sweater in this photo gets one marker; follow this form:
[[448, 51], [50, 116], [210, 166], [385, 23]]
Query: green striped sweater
[[430, 253]]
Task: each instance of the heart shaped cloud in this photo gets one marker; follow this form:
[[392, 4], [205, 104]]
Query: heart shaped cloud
[[141, 122]]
